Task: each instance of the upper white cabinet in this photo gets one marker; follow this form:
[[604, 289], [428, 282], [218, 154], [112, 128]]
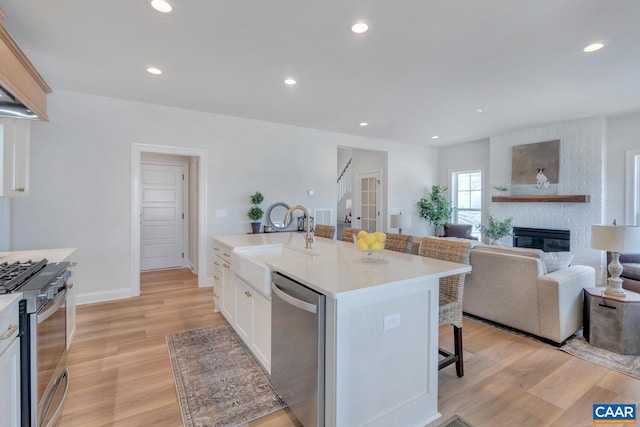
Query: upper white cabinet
[[15, 137]]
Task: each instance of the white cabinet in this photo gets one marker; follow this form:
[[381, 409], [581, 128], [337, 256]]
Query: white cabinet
[[261, 330], [244, 294], [224, 295], [9, 361], [253, 321], [15, 141]]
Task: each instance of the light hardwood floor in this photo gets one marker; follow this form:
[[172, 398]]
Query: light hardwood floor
[[120, 373]]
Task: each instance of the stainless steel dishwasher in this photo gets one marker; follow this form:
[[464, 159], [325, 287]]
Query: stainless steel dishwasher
[[297, 348]]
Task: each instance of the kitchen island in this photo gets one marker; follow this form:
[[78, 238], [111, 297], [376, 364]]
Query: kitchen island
[[381, 331]]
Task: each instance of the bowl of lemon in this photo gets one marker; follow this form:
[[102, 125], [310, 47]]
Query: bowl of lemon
[[369, 243]]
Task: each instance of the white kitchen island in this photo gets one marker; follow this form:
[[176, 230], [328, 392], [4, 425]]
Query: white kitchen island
[[381, 339]]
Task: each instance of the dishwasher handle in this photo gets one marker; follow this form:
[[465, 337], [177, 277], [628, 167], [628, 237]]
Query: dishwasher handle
[[303, 305]]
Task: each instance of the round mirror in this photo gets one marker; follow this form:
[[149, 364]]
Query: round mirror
[[275, 216]]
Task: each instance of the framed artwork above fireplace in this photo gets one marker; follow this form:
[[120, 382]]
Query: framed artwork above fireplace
[[535, 168]]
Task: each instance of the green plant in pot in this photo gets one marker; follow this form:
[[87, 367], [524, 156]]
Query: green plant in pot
[[256, 213], [436, 209], [496, 229]]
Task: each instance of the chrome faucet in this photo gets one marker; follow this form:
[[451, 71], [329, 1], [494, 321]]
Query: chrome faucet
[[308, 239]]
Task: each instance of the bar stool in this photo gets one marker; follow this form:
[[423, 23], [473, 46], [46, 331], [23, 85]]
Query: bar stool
[[324, 231], [451, 292], [399, 242]]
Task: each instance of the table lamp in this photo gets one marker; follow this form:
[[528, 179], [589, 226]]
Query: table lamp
[[615, 239], [400, 221]]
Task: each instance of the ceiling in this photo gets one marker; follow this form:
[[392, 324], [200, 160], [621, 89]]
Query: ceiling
[[423, 68]]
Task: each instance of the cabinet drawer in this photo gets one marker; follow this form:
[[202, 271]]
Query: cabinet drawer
[[223, 251], [8, 320]]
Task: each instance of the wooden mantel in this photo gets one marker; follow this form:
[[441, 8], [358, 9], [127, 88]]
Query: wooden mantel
[[19, 76], [551, 198]]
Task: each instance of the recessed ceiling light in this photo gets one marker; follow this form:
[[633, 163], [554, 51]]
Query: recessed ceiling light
[[290, 81], [363, 124], [435, 137], [154, 70], [359, 27], [480, 110], [593, 47], [161, 6]]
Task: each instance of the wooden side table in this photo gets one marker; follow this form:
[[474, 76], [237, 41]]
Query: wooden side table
[[612, 323]]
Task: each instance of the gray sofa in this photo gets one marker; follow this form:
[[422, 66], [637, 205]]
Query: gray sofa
[[511, 286]]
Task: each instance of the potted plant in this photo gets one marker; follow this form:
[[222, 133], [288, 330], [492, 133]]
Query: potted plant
[[255, 213], [496, 229], [436, 209]]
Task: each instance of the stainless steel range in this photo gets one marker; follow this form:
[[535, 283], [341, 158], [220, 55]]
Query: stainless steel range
[[43, 373]]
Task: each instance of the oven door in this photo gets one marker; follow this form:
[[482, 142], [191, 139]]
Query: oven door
[[51, 379]]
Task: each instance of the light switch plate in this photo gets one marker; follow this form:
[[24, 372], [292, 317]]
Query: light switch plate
[[391, 321], [311, 193]]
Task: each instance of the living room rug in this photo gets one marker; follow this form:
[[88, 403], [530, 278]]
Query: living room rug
[[579, 347], [455, 421], [218, 381]]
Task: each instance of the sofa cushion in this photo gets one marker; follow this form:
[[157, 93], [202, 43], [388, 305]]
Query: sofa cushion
[[533, 253], [631, 271], [555, 261]]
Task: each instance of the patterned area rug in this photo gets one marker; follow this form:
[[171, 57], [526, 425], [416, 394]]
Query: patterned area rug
[[218, 381], [579, 347], [455, 421]]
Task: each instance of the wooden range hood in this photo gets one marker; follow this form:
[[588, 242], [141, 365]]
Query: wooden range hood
[[19, 77]]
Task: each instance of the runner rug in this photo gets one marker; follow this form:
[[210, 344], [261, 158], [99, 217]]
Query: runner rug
[[218, 381]]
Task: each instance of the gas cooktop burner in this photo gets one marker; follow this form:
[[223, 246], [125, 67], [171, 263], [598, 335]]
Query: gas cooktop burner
[[15, 274]]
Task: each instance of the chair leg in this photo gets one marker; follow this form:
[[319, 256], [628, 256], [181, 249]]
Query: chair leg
[[457, 339]]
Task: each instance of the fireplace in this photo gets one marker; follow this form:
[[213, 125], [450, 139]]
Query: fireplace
[[541, 238]]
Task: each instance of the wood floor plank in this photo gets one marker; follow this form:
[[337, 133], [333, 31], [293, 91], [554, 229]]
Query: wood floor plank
[[120, 373]]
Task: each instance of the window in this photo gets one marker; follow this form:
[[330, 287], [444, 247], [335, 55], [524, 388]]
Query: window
[[632, 199], [467, 196]]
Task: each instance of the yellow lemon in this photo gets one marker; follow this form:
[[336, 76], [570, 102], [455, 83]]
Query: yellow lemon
[[362, 234], [361, 244], [376, 246], [380, 237], [371, 238]]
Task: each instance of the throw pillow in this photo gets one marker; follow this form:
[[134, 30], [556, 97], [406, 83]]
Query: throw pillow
[[555, 261]]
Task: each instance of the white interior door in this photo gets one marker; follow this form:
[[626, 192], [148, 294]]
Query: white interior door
[[370, 201], [162, 216]]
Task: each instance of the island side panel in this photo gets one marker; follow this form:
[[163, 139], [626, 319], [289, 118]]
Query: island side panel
[[379, 377]]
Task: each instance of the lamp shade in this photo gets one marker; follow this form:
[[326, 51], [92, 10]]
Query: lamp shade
[[400, 221], [616, 238], [349, 203]]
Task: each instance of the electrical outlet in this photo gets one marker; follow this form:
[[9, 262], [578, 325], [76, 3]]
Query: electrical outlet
[[391, 321]]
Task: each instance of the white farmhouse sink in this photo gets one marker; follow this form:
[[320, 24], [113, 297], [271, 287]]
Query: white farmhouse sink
[[249, 263]]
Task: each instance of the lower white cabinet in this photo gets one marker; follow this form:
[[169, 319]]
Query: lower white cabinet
[[252, 321], [228, 295], [71, 305], [9, 361]]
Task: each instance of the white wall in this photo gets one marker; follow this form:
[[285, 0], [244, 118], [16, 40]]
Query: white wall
[[582, 171], [623, 135], [81, 176], [468, 156]]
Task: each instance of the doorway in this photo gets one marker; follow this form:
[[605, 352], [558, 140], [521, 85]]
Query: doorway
[[368, 195], [164, 213], [198, 208]]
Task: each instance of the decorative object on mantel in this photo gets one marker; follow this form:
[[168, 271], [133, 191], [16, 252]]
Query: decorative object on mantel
[[400, 221], [496, 229], [552, 198], [436, 209], [255, 213], [615, 239], [501, 189], [535, 168]]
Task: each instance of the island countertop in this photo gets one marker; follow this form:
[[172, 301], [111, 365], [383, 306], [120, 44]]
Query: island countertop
[[336, 269]]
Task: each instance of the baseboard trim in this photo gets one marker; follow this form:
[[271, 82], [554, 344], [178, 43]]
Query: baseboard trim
[[103, 296]]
